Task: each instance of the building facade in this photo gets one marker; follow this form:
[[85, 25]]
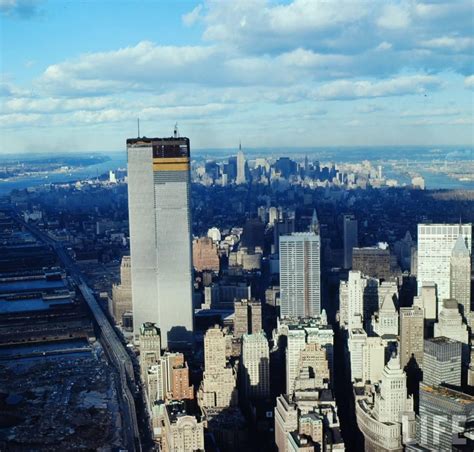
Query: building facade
[[256, 366], [160, 236], [122, 293], [300, 275], [435, 247], [350, 233], [460, 276], [442, 361], [411, 335]]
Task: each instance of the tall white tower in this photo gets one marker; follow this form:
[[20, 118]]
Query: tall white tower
[[435, 247], [300, 290], [241, 178], [460, 276], [160, 236], [391, 401]]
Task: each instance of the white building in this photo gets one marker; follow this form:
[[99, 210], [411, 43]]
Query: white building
[[300, 332], [386, 417], [214, 234], [373, 359], [300, 290], [385, 321], [160, 236], [450, 323], [241, 177], [460, 275], [218, 386], [427, 301], [356, 343], [358, 297], [256, 366], [435, 247]]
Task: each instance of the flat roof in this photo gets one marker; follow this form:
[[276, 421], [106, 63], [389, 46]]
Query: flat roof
[[31, 285]]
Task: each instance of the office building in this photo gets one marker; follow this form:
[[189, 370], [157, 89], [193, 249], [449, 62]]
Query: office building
[[443, 414], [358, 300], [372, 261], [460, 276], [247, 317], [168, 379], [255, 366], [205, 255], [386, 417], [356, 343], [450, 323], [300, 290], [435, 248], [385, 320], [122, 293], [373, 359], [442, 361], [150, 346], [218, 387], [300, 332], [350, 234], [183, 432], [314, 361], [411, 335], [160, 236], [286, 421], [241, 167], [427, 301]]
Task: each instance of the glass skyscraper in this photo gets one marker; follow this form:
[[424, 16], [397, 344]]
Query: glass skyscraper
[[160, 236]]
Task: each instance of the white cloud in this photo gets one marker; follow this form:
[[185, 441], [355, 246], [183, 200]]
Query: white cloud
[[193, 16], [19, 119], [399, 86], [457, 44], [469, 82], [446, 111], [394, 17], [54, 105], [129, 68]]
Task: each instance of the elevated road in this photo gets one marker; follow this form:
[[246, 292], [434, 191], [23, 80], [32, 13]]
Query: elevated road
[[113, 346]]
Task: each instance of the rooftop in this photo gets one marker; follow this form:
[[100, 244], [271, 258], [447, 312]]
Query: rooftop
[[443, 391]]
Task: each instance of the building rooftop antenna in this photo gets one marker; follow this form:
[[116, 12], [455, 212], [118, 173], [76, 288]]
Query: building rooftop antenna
[[138, 125], [176, 132]]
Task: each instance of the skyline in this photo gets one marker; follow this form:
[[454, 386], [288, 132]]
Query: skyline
[[331, 73]]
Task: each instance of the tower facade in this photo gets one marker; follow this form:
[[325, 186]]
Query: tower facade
[[435, 247], [241, 176], [442, 361], [160, 236], [460, 276], [300, 274], [122, 293], [256, 366], [411, 335], [350, 238]]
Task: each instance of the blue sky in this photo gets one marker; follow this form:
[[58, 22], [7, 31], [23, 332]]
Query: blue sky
[[76, 74]]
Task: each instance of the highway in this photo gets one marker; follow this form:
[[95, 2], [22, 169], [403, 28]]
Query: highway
[[113, 346]]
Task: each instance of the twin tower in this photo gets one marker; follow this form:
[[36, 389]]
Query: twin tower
[[160, 237]]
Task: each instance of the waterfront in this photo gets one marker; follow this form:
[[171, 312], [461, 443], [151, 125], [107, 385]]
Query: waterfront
[[397, 163]]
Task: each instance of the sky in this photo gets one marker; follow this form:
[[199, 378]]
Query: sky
[[76, 74]]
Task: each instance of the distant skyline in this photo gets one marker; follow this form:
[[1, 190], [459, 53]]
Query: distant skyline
[[77, 74]]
